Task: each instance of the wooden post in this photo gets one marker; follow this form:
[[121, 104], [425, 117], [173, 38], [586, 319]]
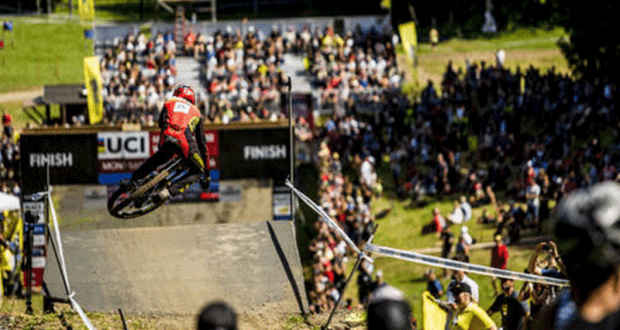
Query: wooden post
[[48, 113]]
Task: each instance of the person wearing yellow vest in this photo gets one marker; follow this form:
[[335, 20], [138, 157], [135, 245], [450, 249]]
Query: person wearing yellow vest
[[468, 315]]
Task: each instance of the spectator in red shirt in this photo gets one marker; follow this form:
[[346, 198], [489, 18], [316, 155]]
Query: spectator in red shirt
[[499, 257], [190, 40], [438, 221]]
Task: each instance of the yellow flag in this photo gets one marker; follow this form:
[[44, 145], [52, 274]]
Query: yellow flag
[[408, 38], [86, 9], [92, 80], [433, 316]]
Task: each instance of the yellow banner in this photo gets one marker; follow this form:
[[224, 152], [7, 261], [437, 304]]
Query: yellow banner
[[86, 9], [433, 316], [408, 38], [92, 80]]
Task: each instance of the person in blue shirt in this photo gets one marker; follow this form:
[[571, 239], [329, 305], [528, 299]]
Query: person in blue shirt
[[432, 284]]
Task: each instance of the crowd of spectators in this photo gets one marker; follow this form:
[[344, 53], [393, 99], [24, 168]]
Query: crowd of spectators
[[357, 70], [347, 199], [518, 307], [138, 74], [518, 134], [243, 75], [504, 141], [9, 158]]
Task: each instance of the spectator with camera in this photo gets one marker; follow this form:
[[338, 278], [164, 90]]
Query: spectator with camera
[[547, 261]]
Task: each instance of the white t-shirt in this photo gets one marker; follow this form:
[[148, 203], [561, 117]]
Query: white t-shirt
[[534, 190], [456, 216]]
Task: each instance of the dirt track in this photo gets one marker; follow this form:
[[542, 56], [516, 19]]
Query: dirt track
[[21, 95], [176, 269], [162, 269]]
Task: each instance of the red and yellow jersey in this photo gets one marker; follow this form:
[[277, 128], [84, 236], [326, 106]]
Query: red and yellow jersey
[[177, 115]]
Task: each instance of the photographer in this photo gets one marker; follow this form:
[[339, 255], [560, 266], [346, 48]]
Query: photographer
[[546, 261], [586, 227]]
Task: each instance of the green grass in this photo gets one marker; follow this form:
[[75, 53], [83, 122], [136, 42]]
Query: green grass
[[524, 47], [521, 39], [39, 53], [15, 110]]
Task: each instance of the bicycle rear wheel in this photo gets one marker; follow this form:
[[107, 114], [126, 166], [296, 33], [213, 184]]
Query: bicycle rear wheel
[[127, 203]]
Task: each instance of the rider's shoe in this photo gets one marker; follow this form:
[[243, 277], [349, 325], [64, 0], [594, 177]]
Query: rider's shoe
[[179, 187], [205, 182]]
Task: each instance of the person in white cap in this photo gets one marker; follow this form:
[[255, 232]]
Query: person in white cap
[[465, 233]]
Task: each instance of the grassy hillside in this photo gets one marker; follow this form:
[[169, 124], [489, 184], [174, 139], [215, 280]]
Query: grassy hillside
[[38, 53], [524, 47]]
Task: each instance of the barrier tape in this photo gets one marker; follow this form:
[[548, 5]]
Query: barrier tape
[[422, 258], [81, 313], [61, 253], [457, 265], [63, 266], [324, 216]]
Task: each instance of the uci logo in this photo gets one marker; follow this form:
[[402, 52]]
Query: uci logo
[[123, 145]]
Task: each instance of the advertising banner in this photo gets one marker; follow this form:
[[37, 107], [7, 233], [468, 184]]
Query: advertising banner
[[71, 159], [408, 38], [86, 8], [281, 203], [39, 259], [254, 153], [433, 316], [121, 153], [123, 145], [92, 80], [36, 222]]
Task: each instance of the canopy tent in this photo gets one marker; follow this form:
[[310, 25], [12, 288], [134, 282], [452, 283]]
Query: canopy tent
[[9, 202]]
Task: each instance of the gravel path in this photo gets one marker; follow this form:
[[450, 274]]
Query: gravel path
[[21, 95]]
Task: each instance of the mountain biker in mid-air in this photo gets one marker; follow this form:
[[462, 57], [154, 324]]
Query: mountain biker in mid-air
[[182, 133]]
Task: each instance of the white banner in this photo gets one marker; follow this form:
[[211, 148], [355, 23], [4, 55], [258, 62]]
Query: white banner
[[123, 145]]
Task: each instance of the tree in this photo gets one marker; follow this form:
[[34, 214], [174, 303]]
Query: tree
[[593, 48]]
